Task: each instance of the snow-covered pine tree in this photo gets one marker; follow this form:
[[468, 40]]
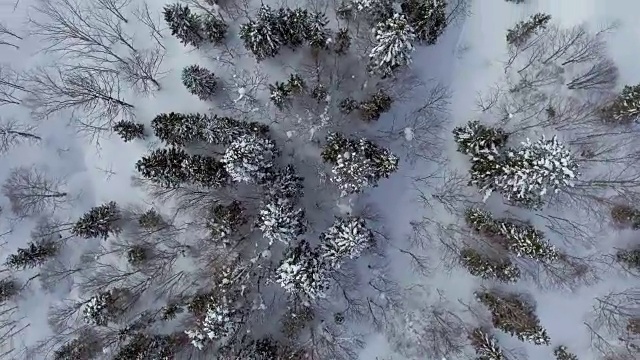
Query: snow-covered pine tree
[[36, 254], [84, 347], [488, 268], [393, 46], [477, 139], [629, 258], [178, 129], [167, 167], [529, 172], [199, 81], [342, 42], [285, 183], [511, 314], [346, 238], [262, 36], [145, 346], [207, 171], [183, 24], [250, 158], [485, 345], [99, 222], [374, 11], [101, 308], [212, 28], [223, 221], [302, 272], [524, 30], [281, 220], [129, 130], [561, 353], [9, 288], [626, 216], [625, 109], [372, 108], [428, 18], [357, 163]]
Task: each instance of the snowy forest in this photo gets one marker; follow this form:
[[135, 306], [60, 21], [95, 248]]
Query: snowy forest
[[320, 180]]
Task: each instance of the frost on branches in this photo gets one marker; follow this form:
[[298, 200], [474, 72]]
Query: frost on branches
[[487, 268], [250, 158], [102, 308], [357, 163], [428, 18], [101, 221], [625, 108], [485, 346], [346, 238], [302, 272], [199, 81], [281, 220], [515, 316], [529, 172], [393, 46]]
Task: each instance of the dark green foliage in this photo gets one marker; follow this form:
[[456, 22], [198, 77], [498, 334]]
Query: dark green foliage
[[374, 107], [183, 24], [99, 222], [428, 18], [167, 167], [524, 30], [128, 130], [561, 353], [36, 254]]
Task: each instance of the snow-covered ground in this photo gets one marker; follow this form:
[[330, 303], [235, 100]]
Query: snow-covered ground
[[468, 59]]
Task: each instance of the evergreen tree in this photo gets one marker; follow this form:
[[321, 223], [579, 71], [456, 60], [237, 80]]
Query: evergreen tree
[[346, 238], [530, 171], [373, 108], [374, 11], [144, 346], [183, 24], [393, 46], [515, 316], [485, 346], [561, 353], [100, 221], [342, 41], [280, 220], [357, 163], [180, 129], [428, 18], [167, 167], [213, 29], [625, 109], [199, 81], [128, 130], [524, 30], [206, 171], [262, 36], [629, 258], [487, 268], [8, 289], [84, 347], [250, 158], [626, 216], [223, 221], [302, 272], [36, 254]]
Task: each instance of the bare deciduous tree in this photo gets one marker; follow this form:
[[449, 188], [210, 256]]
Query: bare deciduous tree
[[31, 191], [14, 133]]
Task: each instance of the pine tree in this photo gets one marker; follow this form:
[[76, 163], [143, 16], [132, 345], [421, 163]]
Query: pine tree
[[83, 347], [280, 220], [128, 130], [223, 221], [262, 36], [183, 24], [374, 11], [167, 167], [485, 345], [250, 158], [393, 46], [487, 268], [530, 171], [207, 171], [561, 353], [99, 222], [357, 163], [625, 109], [428, 18], [524, 30], [373, 108], [8, 289], [511, 314], [36, 254], [213, 29], [346, 238], [626, 216], [476, 139], [180, 129], [199, 81], [629, 258], [302, 272]]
